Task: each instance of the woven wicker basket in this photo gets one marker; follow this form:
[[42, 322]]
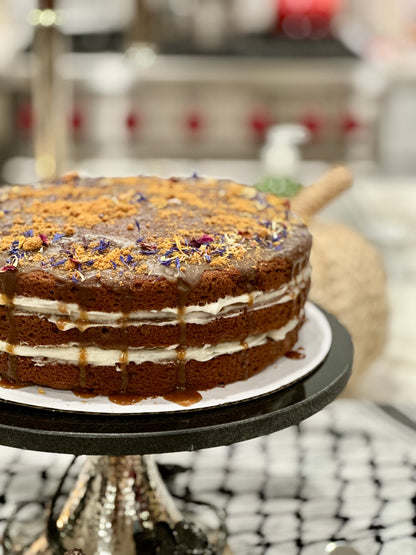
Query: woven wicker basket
[[348, 277]]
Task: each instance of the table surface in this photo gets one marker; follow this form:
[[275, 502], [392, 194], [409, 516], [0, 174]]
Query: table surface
[[346, 473]]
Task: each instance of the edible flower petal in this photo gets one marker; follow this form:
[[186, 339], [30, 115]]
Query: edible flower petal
[[44, 239]]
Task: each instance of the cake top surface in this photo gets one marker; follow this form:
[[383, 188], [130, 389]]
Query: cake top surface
[[122, 228]]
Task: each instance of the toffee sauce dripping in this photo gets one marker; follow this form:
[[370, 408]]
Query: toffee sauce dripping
[[82, 363], [245, 359], [63, 308], [64, 319], [6, 383], [124, 341], [125, 398], [124, 356], [81, 323], [9, 287], [84, 394], [183, 397], [61, 323], [183, 293]]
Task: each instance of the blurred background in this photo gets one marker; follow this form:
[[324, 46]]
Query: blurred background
[[241, 89]]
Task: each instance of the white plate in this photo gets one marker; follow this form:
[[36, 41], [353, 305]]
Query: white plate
[[314, 338]]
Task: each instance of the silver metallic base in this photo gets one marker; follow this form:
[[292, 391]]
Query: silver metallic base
[[121, 506]]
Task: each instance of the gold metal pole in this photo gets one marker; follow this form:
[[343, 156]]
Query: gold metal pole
[[49, 93]]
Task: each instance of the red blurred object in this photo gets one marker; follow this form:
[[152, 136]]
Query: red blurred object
[[349, 124], [313, 123], [194, 121], [133, 121], [77, 120], [300, 19], [325, 8], [24, 118], [260, 121]]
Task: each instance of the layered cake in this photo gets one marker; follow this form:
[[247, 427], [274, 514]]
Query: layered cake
[[145, 285]]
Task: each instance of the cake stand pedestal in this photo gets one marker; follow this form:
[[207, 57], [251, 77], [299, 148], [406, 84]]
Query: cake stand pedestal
[[120, 505]]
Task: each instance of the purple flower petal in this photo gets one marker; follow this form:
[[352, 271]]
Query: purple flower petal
[[59, 263]]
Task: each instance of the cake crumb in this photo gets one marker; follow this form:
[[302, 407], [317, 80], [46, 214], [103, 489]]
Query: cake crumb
[[32, 243], [69, 230]]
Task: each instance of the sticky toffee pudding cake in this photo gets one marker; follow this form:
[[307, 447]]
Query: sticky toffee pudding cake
[[147, 286]]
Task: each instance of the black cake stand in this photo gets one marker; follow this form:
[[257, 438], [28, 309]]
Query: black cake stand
[[120, 501]]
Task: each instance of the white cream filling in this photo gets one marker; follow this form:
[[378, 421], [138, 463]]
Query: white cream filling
[[112, 357], [228, 306]]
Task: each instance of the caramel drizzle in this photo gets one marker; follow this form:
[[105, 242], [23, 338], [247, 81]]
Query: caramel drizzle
[[124, 372], [9, 282], [125, 399], [183, 293], [81, 324], [183, 397], [82, 321], [6, 383], [250, 328], [82, 363], [62, 308], [83, 355], [124, 345], [61, 323], [178, 396], [84, 394]]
